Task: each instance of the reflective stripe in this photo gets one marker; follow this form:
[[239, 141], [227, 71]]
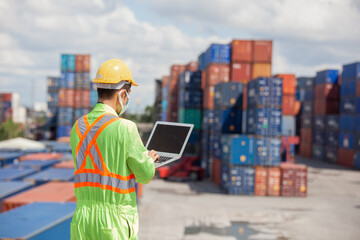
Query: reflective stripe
[[90, 184], [104, 180]]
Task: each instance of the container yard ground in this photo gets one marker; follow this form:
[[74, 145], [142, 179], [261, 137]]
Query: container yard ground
[[331, 210]]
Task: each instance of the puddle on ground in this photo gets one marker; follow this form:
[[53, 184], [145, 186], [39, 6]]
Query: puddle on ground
[[239, 230]]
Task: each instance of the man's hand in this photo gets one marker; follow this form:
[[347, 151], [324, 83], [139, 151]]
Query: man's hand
[[154, 155]]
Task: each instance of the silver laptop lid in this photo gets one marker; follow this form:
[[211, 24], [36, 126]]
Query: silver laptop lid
[[169, 138]]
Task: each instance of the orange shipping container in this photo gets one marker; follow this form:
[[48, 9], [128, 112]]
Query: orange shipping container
[[262, 51], [175, 71], [274, 179], [260, 181], [82, 63], [208, 98], [216, 171], [192, 66], [245, 94], [66, 97], [41, 156], [289, 83], [217, 73], [261, 70], [48, 192], [65, 164], [240, 72], [290, 105], [241, 51]]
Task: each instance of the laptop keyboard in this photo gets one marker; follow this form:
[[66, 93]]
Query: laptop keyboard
[[162, 159]]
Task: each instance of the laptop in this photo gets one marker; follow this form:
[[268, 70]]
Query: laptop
[[169, 139]]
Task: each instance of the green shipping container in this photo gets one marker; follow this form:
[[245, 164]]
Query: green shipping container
[[189, 115]]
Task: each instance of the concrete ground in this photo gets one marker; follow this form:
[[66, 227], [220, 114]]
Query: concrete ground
[[331, 210]]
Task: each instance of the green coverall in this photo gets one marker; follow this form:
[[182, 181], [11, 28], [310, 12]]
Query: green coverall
[[104, 211]]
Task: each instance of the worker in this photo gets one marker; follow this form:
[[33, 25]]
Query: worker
[[109, 157]]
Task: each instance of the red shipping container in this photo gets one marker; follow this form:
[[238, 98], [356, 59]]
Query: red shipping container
[[66, 97], [82, 63], [262, 51], [241, 51], [290, 105], [273, 181], [327, 90], [48, 192], [287, 179], [208, 98], [326, 106], [305, 149], [245, 94], [217, 73], [192, 66], [65, 164], [77, 99], [306, 135], [358, 89], [260, 181], [203, 79], [240, 72], [301, 180], [216, 171], [5, 97], [260, 70], [345, 157], [289, 83], [175, 71], [85, 98]]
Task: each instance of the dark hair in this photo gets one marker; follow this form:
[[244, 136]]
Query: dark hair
[[106, 94]]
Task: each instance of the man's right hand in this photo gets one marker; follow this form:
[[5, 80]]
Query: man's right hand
[[154, 155]]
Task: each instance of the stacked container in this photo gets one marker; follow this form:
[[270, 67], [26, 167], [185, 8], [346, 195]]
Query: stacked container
[[305, 94], [158, 99], [164, 97], [172, 92], [189, 107], [349, 137], [326, 102], [5, 106]]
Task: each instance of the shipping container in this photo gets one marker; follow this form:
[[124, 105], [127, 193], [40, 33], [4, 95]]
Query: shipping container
[[347, 123], [190, 80], [65, 164], [53, 84], [228, 95], [8, 189], [48, 192], [309, 95], [261, 70], [306, 121], [63, 131], [216, 73], [262, 51], [189, 99], [68, 62], [237, 149], [192, 66], [82, 81], [82, 63], [216, 171], [357, 122], [346, 157], [208, 119], [228, 121], [319, 122], [307, 107], [93, 98], [193, 116], [66, 97], [82, 98], [327, 76], [306, 149], [318, 137], [267, 151], [264, 92], [51, 175], [289, 83], [67, 80], [290, 106], [306, 82], [208, 98], [293, 180], [79, 112], [264, 121], [12, 174], [348, 89], [218, 53], [38, 221], [357, 160], [245, 97], [317, 152], [8, 157], [327, 91], [274, 181], [326, 107], [331, 139], [41, 156], [332, 123], [288, 125], [346, 140], [35, 164], [260, 181], [201, 62], [65, 116], [241, 51], [53, 100], [241, 180], [240, 72], [351, 72], [330, 154], [306, 135], [215, 145]]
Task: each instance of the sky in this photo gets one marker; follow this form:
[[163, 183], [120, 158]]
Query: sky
[[150, 36]]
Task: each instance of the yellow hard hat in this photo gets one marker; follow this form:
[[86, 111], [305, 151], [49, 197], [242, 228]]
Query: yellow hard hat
[[112, 72]]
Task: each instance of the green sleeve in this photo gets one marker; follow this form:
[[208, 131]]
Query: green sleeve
[[74, 140], [138, 160]]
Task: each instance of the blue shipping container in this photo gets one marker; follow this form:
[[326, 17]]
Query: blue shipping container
[[319, 123], [67, 80], [347, 123], [228, 121], [348, 105], [35, 164], [318, 152], [218, 53], [330, 154], [264, 92], [357, 141], [357, 105], [309, 95], [357, 123], [163, 116], [306, 121], [93, 98], [215, 145], [238, 179], [201, 62], [332, 123], [346, 140], [267, 151], [307, 107], [208, 119], [305, 82], [11, 174], [228, 95], [351, 72], [79, 112], [51, 174], [264, 121], [238, 149], [288, 125], [68, 63], [348, 89], [63, 131], [190, 80], [66, 116], [357, 160], [8, 189], [331, 139], [190, 98], [8, 157], [318, 137], [327, 76], [38, 221]]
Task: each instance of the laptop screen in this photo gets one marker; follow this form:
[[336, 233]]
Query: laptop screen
[[168, 138]]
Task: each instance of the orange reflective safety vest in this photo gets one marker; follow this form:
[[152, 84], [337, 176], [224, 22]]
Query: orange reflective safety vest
[[109, 157]]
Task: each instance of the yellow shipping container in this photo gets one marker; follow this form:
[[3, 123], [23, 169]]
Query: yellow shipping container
[[261, 70]]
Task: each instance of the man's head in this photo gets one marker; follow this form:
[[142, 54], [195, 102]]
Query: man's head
[[114, 82]]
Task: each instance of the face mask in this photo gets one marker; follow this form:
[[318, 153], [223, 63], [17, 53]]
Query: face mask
[[123, 108]]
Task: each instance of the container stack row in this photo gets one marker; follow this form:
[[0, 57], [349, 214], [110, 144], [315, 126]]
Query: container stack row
[[5, 106]]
